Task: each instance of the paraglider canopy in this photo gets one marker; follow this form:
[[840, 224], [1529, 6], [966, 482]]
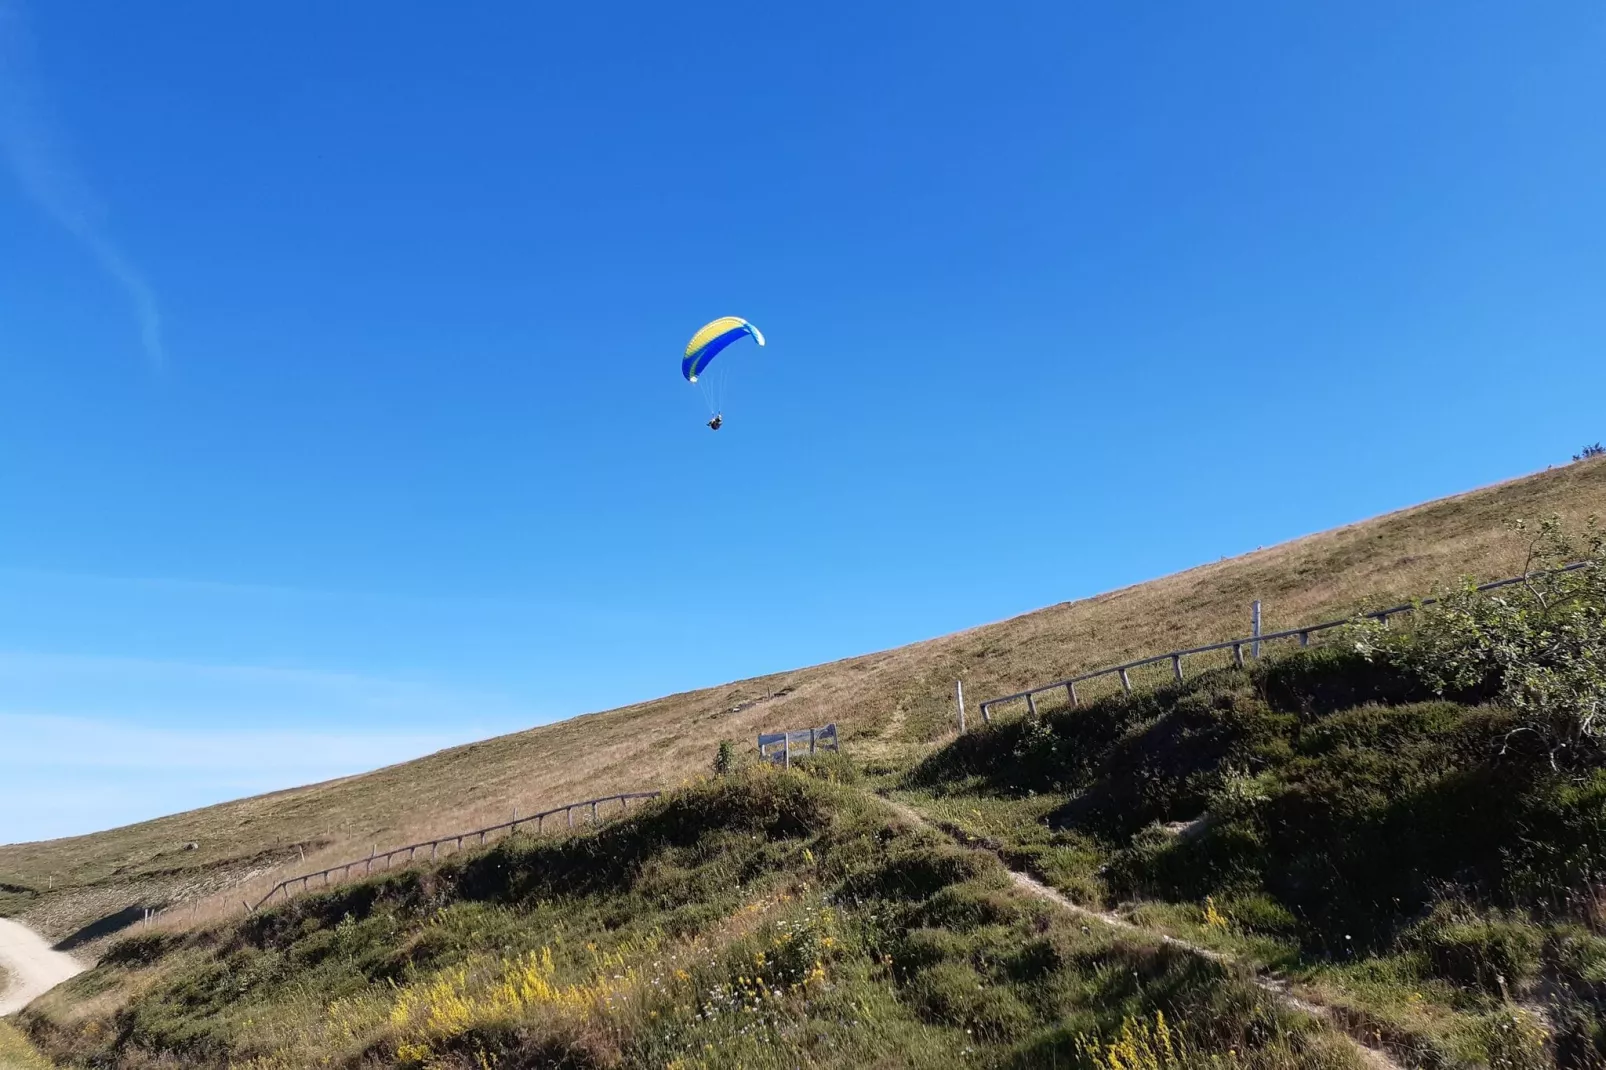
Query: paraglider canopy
[[711, 339]]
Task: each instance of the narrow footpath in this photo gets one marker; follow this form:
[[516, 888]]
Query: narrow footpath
[[1373, 1054], [34, 968]]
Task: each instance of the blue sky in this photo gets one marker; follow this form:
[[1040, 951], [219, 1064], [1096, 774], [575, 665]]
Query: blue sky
[[340, 415]]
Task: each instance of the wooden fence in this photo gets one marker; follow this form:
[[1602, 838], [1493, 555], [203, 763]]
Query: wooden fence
[[782, 742], [1235, 645], [294, 885]]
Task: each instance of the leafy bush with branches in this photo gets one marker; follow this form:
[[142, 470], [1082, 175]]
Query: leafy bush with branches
[[1590, 452], [1538, 647]]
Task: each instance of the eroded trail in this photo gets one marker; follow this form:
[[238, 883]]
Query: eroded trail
[[35, 969], [1372, 1054]]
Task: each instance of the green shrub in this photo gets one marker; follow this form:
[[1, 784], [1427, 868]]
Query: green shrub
[[1225, 858], [141, 950], [1579, 1036], [952, 993], [1260, 913], [1538, 647], [1561, 851], [1513, 1040], [834, 767], [918, 874], [1496, 953], [1240, 796], [921, 949], [1576, 958], [967, 906], [1325, 679]]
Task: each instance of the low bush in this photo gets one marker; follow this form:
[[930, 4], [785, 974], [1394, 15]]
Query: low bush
[[1497, 953]]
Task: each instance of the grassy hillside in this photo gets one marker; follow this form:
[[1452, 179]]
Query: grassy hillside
[[1387, 852], [894, 706], [17, 1054], [768, 920], [1406, 857], [1410, 823]]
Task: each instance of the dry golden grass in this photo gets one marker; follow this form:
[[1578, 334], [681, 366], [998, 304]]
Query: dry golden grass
[[17, 1054], [892, 704]]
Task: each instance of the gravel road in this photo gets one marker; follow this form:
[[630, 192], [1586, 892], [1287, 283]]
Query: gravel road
[[34, 968]]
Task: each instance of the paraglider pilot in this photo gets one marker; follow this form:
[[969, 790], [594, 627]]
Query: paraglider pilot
[[709, 340]]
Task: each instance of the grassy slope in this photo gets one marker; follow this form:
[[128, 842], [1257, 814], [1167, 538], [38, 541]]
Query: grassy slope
[[17, 1054], [1373, 842], [767, 920], [896, 704], [1430, 877], [1407, 858]]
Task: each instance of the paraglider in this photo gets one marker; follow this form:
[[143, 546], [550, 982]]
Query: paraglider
[[705, 345]]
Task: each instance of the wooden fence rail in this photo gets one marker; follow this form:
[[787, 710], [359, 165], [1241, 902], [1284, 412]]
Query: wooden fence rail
[[293, 885], [816, 738], [1235, 645]]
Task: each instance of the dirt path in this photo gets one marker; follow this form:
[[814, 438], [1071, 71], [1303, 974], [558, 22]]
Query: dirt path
[[35, 969], [1373, 1056]]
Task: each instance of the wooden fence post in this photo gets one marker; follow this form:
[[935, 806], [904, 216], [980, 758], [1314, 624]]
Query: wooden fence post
[[959, 700], [1031, 706], [1253, 641]]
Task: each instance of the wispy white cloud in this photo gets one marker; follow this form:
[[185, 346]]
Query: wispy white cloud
[[191, 693], [89, 743], [211, 691], [62, 776], [254, 756], [43, 168]]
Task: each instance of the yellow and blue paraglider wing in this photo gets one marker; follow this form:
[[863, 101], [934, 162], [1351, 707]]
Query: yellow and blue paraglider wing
[[712, 338]]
